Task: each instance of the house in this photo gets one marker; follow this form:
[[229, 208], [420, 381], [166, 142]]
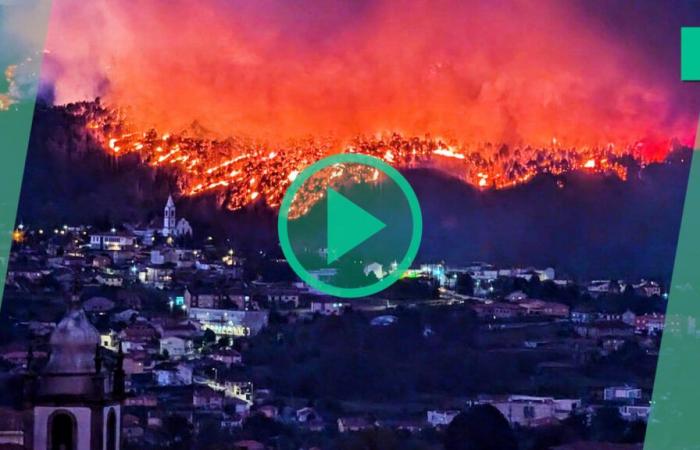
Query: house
[[176, 347], [145, 400], [542, 308], [604, 329], [110, 340], [441, 418], [157, 276], [604, 316], [353, 424], [285, 298], [138, 362], [227, 356], [163, 255], [622, 393], [186, 330], [407, 425], [112, 240], [306, 414], [241, 389], [216, 297], [650, 324], [583, 315], [532, 411], [648, 288], [376, 269], [111, 279], [205, 397], [633, 413], [497, 310], [516, 296], [329, 306], [101, 261], [599, 287], [169, 374], [230, 322], [138, 334]]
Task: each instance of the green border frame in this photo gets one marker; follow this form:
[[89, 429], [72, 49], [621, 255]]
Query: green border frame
[[416, 231], [16, 121]]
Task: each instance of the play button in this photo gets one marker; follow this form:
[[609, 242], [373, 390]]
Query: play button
[[350, 225]]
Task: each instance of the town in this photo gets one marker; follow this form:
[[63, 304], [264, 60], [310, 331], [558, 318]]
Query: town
[[203, 347]]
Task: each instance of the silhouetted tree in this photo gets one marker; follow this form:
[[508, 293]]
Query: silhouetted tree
[[482, 427], [465, 284], [209, 336], [607, 425]]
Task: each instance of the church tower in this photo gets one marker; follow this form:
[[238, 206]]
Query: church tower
[[169, 220], [75, 402]]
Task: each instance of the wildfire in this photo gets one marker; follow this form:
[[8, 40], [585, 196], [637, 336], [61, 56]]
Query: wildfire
[[249, 171]]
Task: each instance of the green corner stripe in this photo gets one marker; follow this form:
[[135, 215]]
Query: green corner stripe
[[675, 411], [22, 33], [690, 53]]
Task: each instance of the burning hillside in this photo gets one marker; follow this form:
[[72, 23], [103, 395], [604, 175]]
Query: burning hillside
[[251, 170]]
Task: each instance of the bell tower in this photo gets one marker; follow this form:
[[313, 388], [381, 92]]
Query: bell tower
[[169, 219], [75, 402]]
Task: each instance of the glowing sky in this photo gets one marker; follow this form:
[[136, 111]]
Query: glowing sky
[[514, 71]]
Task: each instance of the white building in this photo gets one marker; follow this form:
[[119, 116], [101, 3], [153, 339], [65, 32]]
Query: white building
[[167, 374], [441, 418], [532, 411], [632, 413], [375, 268], [176, 347], [229, 322], [112, 240], [622, 393], [329, 306]]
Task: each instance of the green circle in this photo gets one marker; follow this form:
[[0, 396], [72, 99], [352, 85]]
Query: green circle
[[416, 229]]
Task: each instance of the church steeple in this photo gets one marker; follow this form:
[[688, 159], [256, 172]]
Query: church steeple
[[169, 218], [74, 404]]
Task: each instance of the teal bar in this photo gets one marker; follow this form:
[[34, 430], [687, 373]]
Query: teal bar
[[674, 423], [690, 53]]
